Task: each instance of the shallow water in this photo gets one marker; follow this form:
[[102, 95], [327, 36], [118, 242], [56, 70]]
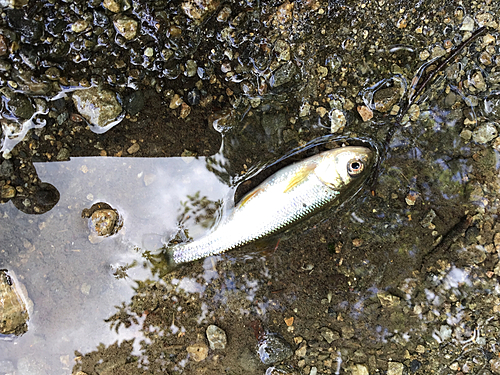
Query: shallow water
[[402, 278]]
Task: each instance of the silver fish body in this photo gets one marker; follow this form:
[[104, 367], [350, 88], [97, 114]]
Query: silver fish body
[[290, 195]]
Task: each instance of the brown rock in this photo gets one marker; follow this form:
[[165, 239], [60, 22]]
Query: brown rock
[[365, 113]]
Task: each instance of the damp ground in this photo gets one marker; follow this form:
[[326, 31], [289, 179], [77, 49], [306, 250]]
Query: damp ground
[[162, 111]]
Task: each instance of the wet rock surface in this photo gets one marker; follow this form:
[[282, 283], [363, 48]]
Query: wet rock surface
[[376, 287], [104, 221], [15, 306]]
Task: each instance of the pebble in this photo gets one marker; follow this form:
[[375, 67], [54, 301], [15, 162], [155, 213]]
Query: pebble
[[216, 337], [384, 99], [359, 370], [485, 58], [347, 332], [466, 135], [282, 370], [305, 109], [199, 10], [274, 349], [7, 192], [126, 26], [20, 106], [365, 113], [198, 352], [284, 74], [438, 51], [63, 154], [495, 365], [395, 368], [79, 26], [175, 102], [98, 106], [282, 49], [329, 335], [134, 148], [388, 300], [301, 352], [185, 110], [112, 5], [424, 55], [337, 120], [478, 81], [467, 24], [484, 133]]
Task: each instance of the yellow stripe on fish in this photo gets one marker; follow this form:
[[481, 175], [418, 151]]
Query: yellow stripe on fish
[[288, 196]]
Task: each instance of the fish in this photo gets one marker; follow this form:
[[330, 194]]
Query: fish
[[287, 197]]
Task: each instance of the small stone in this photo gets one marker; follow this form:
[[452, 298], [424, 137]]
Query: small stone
[[282, 49], [20, 106], [337, 120], [388, 300], [112, 5], [104, 221], [467, 24], [301, 352], [384, 99], [284, 74], [191, 68], [414, 112], [185, 110], [486, 19], [126, 26], [304, 109], [98, 106], [175, 102], [4, 49], [359, 370], [420, 349], [438, 51], [198, 10], [7, 192], [347, 332], [478, 81], [79, 26], [424, 55], [485, 58], [85, 289], [224, 14], [495, 365], [322, 71], [149, 52], [198, 351], [485, 133], [365, 113], [63, 154], [216, 337], [395, 368], [274, 349], [426, 222], [488, 39], [134, 148], [329, 335], [466, 135]]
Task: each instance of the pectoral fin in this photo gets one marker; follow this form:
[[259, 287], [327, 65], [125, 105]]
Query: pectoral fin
[[300, 176], [247, 197]]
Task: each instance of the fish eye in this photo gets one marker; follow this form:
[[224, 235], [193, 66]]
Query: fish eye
[[355, 167]]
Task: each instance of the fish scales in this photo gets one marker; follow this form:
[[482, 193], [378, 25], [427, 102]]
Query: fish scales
[[290, 195]]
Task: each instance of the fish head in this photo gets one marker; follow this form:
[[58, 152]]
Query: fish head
[[350, 165]]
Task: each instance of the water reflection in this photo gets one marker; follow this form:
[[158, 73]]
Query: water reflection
[[75, 284]]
